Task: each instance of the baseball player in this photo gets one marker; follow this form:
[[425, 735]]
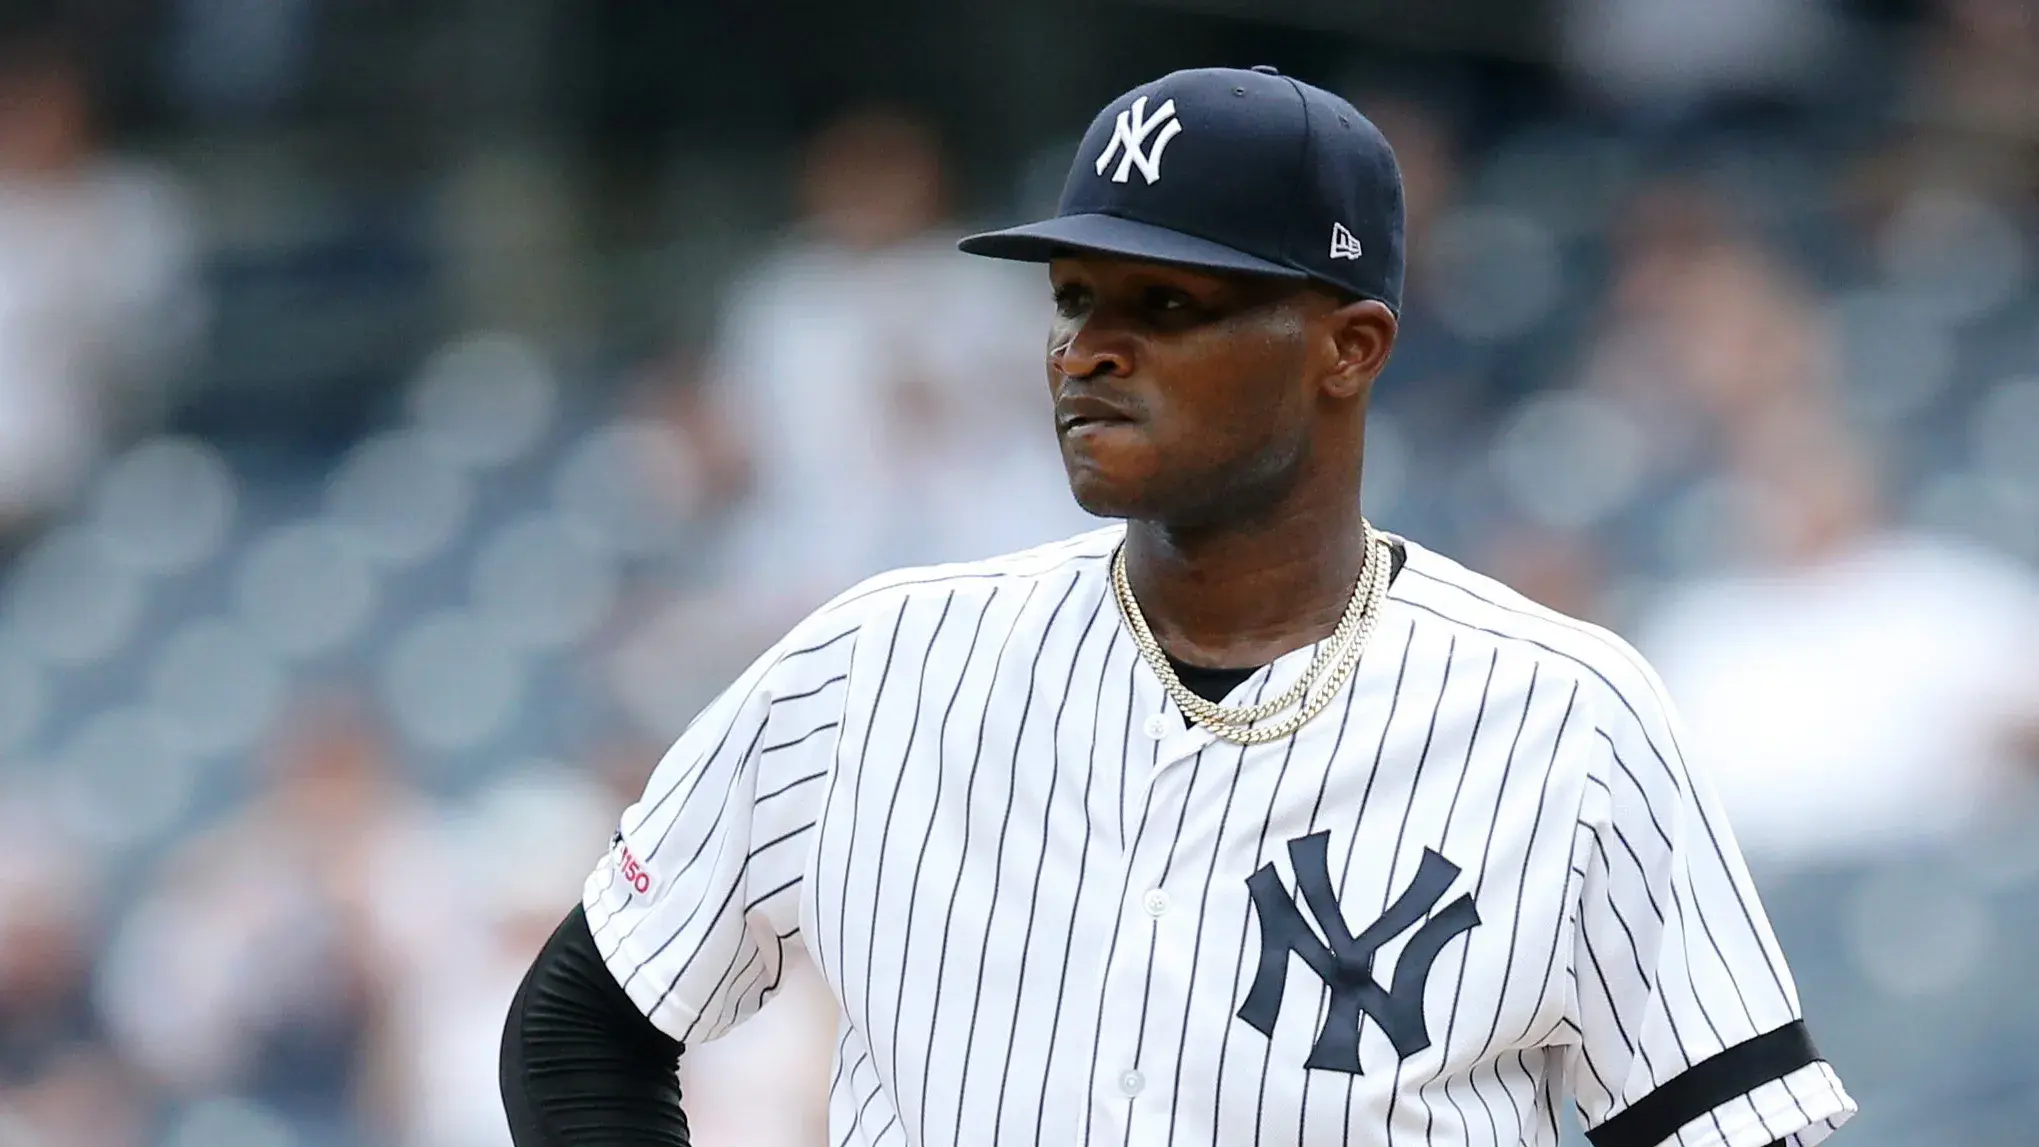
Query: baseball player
[[1240, 823]]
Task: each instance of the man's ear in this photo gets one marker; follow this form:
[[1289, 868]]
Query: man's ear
[[1362, 335]]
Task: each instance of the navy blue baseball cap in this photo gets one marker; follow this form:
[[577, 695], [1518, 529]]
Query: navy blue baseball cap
[[1230, 169]]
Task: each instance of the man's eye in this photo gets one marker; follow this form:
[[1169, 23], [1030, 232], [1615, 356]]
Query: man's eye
[[1168, 301], [1070, 302]]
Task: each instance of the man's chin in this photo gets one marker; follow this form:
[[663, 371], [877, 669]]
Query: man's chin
[[1102, 499], [1189, 505]]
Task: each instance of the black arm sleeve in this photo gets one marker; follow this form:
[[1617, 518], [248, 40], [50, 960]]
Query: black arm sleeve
[[580, 1065]]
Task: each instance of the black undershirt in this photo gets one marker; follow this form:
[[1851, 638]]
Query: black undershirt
[[1213, 685], [580, 1066]]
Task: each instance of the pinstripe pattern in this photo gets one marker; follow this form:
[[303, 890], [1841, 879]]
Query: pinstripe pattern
[[947, 788]]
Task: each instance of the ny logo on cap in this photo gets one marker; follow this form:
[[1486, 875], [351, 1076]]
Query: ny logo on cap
[[1132, 131], [1344, 244]]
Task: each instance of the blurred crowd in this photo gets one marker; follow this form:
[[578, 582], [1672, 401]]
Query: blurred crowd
[[306, 742]]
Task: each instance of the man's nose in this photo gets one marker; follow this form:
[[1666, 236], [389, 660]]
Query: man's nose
[[1089, 349]]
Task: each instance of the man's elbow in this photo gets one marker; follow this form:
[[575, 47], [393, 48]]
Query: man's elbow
[[579, 1065]]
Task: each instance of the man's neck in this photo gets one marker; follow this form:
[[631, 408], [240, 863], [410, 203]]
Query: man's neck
[[1243, 595]]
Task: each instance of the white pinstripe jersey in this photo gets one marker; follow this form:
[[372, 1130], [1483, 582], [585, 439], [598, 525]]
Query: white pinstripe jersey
[[1481, 884]]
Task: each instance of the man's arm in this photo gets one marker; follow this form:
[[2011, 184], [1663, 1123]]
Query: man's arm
[[683, 926], [580, 1065]]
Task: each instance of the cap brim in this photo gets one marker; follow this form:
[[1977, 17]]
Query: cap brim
[[1111, 235]]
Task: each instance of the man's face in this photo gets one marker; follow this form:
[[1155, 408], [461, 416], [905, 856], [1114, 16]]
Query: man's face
[[1181, 396]]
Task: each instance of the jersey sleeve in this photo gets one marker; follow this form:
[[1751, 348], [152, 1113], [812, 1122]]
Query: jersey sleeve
[[696, 906], [1686, 1024]]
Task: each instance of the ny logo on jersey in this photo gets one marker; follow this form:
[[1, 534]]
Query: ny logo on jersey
[[1131, 133], [1344, 961]]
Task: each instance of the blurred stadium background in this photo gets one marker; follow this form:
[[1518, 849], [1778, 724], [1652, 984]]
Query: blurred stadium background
[[411, 410]]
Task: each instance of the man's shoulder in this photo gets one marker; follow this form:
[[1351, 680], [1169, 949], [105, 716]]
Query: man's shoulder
[[1439, 591], [889, 591]]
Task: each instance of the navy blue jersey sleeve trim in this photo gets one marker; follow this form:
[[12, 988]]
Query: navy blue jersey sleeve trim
[[1655, 1118]]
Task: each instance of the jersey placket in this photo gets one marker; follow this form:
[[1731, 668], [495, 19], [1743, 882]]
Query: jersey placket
[[1132, 1074]]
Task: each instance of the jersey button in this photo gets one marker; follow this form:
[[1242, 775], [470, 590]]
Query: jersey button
[[1157, 726], [1156, 903], [1132, 1083]]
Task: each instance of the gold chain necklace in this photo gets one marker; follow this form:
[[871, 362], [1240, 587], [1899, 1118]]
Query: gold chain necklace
[[1336, 657]]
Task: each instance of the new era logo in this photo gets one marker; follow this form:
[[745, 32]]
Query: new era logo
[[1131, 132], [1344, 244]]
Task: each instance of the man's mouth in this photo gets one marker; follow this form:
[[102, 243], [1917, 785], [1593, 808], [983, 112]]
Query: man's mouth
[[1072, 425], [1074, 413]]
